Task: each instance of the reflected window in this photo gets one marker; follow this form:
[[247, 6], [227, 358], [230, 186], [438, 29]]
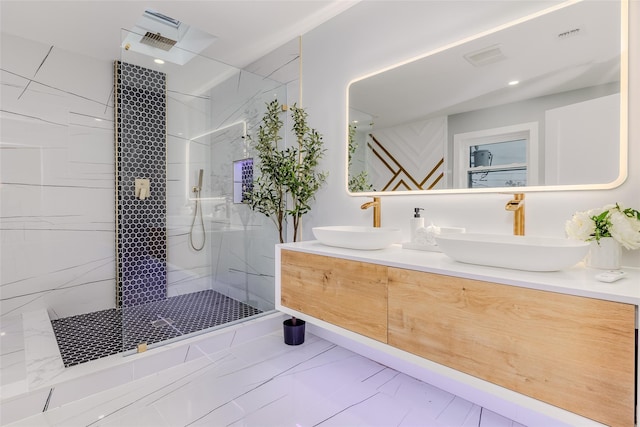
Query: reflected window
[[501, 157], [498, 164]]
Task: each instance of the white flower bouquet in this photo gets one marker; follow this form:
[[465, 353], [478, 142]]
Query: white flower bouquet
[[623, 224]]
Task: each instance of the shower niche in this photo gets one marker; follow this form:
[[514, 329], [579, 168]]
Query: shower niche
[[242, 180]]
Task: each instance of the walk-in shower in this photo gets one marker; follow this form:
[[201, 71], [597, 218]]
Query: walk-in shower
[[190, 253]]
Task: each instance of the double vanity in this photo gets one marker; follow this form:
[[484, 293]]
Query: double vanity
[[559, 342]]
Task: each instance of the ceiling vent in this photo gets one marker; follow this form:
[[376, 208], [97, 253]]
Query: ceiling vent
[[568, 34], [156, 40], [485, 56]]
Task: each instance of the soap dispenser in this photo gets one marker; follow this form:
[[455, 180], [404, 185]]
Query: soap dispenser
[[416, 222]]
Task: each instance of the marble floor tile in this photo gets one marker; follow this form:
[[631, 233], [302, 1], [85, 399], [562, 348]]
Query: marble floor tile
[[263, 383]]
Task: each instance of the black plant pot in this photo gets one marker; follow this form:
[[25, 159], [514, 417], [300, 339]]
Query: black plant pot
[[293, 334]]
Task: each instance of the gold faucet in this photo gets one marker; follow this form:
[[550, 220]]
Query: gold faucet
[[376, 210], [516, 205]]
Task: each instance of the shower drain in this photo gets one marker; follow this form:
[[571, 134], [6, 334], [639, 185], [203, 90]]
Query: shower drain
[[161, 322]]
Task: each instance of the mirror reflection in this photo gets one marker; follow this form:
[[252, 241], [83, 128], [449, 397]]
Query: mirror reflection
[[535, 104]]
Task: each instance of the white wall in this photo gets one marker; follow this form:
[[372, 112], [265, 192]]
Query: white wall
[[571, 128], [372, 35]]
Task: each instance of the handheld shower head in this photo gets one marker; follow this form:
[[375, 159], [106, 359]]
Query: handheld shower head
[[198, 188]]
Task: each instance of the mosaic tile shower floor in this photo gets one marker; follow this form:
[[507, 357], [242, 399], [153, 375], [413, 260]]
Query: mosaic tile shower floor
[[90, 336]]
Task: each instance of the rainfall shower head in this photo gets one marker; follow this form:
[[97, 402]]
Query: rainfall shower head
[[163, 37], [157, 40]]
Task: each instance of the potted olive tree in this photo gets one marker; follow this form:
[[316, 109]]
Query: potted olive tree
[[287, 181]]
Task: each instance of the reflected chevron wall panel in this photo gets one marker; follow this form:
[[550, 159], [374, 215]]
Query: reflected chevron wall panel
[[408, 156]]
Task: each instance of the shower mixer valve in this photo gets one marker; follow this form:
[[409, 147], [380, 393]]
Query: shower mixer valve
[[142, 188]]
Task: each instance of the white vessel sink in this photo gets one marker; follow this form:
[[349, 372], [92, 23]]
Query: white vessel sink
[[517, 252], [356, 237]]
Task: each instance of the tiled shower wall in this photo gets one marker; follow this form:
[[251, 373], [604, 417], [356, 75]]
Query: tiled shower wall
[[141, 153], [57, 180], [57, 186]]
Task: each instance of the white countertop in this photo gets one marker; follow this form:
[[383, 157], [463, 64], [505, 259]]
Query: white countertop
[[577, 280]]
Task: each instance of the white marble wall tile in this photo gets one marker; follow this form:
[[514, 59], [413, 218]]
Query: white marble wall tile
[[158, 361], [251, 329], [42, 358], [90, 384], [211, 345], [53, 276], [223, 338], [23, 407], [90, 379], [13, 371], [281, 64], [114, 403], [57, 195], [80, 75], [20, 56]]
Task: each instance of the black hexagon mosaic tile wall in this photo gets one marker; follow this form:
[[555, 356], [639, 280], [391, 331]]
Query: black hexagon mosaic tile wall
[[99, 334], [141, 147]]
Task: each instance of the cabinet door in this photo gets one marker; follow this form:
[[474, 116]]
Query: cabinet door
[[572, 352], [349, 294]]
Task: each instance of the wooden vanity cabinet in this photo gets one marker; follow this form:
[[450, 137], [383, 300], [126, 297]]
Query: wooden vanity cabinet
[[572, 352], [349, 294]]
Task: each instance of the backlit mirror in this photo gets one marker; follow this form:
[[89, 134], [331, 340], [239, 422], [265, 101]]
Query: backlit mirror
[[538, 104]]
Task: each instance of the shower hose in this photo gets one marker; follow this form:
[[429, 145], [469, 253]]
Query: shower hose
[[198, 210]]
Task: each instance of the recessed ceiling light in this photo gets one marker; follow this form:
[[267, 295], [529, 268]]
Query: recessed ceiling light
[[158, 61], [514, 82]]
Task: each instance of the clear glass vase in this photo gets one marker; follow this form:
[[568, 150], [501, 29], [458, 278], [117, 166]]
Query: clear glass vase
[[604, 254]]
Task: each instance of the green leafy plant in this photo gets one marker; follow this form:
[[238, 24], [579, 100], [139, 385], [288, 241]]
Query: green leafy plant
[[268, 195], [306, 180], [359, 182], [286, 174]]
